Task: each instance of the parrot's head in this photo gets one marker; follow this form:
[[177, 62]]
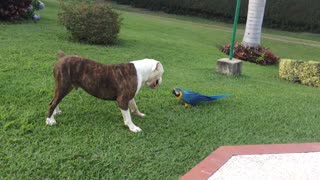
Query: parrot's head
[[177, 92]]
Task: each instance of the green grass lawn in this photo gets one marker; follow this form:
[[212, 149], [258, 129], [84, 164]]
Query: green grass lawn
[[90, 140]]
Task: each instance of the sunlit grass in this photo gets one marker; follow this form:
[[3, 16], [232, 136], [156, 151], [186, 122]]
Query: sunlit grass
[[90, 140]]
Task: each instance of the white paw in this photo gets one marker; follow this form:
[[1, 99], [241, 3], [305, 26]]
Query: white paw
[[140, 114], [50, 121], [134, 129]]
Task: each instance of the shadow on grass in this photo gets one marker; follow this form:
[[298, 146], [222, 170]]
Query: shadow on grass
[[119, 43]]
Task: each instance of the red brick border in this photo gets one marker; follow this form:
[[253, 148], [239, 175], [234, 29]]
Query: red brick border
[[216, 159]]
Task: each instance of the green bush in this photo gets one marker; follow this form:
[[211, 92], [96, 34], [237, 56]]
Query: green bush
[[91, 23], [11, 10], [293, 15], [14, 10], [258, 55], [307, 73]]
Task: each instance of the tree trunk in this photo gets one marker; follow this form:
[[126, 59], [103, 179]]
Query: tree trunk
[[252, 33]]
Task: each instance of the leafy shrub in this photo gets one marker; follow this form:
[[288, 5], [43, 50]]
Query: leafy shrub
[[307, 72], [91, 23], [259, 55], [292, 15], [13, 10]]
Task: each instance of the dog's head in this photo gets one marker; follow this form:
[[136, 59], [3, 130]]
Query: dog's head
[[155, 77]]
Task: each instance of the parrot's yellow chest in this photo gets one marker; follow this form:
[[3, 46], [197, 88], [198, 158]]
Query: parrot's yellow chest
[[179, 96]]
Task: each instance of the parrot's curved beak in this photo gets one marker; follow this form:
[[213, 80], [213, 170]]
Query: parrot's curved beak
[[176, 92]]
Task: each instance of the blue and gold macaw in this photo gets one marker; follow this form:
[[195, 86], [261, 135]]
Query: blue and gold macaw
[[192, 98]]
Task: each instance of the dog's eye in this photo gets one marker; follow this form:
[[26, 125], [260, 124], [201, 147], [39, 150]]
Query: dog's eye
[[157, 81]]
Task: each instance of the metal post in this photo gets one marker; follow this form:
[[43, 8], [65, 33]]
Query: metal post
[[235, 22]]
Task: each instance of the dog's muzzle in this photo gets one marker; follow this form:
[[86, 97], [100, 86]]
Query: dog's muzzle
[[155, 84]]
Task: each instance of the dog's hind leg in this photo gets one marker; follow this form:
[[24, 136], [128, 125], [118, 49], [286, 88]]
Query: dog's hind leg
[[59, 93], [57, 110], [134, 108]]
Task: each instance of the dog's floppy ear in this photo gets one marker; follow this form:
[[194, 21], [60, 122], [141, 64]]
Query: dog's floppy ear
[[60, 54], [156, 66]]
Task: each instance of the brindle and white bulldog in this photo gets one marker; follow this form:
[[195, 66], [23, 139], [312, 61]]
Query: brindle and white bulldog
[[117, 82]]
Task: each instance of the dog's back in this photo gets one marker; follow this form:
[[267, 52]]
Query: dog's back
[[100, 80]]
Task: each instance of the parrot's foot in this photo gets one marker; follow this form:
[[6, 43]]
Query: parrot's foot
[[186, 105]]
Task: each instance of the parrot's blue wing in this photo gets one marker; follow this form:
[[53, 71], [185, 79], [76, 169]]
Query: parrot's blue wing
[[215, 97], [195, 98], [187, 96], [202, 98], [198, 98]]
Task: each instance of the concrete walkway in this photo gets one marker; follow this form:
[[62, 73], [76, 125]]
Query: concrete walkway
[[263, 162]]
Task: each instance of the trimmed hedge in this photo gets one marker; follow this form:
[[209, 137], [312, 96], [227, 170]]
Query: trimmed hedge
[[307, 73], [293, 15], [289, 70], [310, 73]]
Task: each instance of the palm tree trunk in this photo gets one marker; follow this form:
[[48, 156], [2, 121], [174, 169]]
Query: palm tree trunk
[[252, 33]]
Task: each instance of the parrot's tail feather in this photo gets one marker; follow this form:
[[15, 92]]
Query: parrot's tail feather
[[219, 96]]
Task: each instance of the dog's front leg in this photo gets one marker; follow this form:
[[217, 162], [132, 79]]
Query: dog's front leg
[[134, 108], [123, 103], [128, 122]]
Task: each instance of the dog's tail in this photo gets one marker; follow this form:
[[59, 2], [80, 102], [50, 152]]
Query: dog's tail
[[60, 54]]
